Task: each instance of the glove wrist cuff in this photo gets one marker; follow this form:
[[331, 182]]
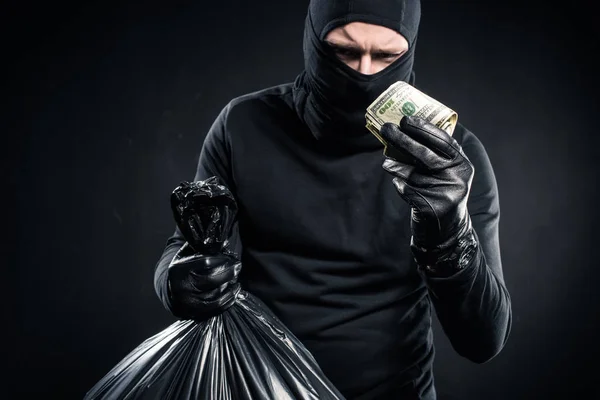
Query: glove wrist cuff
[[451, 258]]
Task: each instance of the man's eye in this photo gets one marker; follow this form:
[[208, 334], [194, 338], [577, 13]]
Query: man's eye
[[386, 56], [346, 53]]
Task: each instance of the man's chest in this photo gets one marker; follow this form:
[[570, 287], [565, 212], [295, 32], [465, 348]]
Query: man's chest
[[346, 205]]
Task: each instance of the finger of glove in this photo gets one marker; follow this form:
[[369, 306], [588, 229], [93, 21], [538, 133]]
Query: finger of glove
[[202, 307], [398, 169], [193, 260], [187, 292], [218, 299], [213, 278], [213, 293], [424, 156], [431, 136], [414, 198]]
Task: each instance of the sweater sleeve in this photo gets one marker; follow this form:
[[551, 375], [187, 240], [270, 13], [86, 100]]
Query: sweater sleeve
[[214, 160], [473, 306]]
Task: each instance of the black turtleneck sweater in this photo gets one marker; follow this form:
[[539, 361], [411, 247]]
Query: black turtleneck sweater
[[324, 240]]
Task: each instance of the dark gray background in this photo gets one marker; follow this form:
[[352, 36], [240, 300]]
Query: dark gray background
[[106, 109]]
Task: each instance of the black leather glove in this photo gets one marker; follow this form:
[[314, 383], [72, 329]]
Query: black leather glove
[[434, 176], [203, 276], [202, 286]]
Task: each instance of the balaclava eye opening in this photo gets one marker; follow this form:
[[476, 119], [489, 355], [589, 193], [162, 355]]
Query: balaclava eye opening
[[330, 97]]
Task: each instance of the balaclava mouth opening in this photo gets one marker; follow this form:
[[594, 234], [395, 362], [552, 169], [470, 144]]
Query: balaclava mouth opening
[[329, 96]]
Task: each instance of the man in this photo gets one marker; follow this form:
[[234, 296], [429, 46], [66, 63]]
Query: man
[[353, 250]]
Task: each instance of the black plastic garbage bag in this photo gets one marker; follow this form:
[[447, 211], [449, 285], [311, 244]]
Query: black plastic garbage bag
[[245, 352]]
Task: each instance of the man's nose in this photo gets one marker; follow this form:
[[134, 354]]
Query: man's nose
[[364, 65]]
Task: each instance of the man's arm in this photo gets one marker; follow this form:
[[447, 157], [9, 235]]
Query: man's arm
[[474, 306], [214, 160]]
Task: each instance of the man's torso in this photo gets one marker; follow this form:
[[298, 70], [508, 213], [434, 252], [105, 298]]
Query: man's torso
[[326, 246]]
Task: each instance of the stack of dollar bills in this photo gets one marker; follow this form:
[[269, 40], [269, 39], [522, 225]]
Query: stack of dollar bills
[[402, 99]]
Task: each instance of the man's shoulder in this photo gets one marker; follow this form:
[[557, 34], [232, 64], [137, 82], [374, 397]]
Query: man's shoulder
[[463, 135], [279, 94], [484, 182], [469, 141], [269, 104]]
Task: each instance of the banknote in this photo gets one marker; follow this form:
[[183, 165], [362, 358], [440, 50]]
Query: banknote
[[402, 99]]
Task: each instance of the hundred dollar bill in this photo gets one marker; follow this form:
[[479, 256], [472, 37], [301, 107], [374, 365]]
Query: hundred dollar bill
[[402, 99]]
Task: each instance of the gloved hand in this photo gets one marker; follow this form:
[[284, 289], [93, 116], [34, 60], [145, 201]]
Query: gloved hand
[[435, 179], [202, 286]]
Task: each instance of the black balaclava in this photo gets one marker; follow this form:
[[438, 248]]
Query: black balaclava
[[329, 96]]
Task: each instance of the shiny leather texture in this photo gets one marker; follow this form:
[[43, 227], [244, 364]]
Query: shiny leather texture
[[435, 180], [202, 286]]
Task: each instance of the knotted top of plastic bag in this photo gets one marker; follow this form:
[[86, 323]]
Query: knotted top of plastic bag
[[204, 212]]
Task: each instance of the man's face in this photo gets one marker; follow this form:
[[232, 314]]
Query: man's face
[[366, 48]]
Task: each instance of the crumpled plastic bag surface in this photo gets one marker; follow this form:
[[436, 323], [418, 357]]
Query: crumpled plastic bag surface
[[244, 353]]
